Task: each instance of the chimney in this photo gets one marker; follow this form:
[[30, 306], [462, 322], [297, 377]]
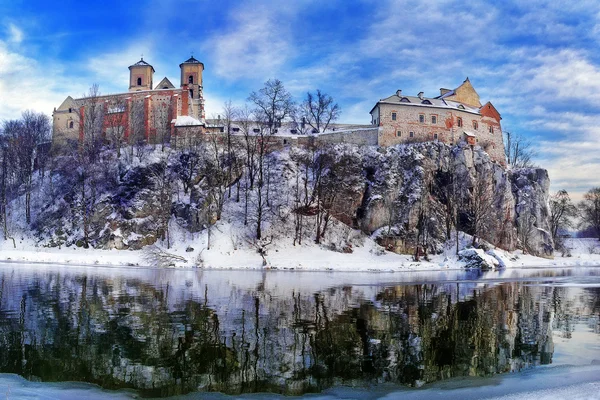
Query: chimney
[[420, 95], [399, 92], [444, 91]]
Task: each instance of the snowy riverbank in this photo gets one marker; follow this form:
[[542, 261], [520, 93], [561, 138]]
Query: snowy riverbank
[[228, 252]]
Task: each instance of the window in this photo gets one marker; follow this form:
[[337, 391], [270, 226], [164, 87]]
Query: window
[[412, 134], [275, 130], [475, 125], [71, 124], [70, 110], [293, 131], [192, 93], [235, 129], [191, 79], [422, 118], [491, 129], [461, 106], [139, 81], [315, 130], [255, 130], [285, 141], [399, 133], [425, 102], [434, 119], [393, 116], [435, 136], [221, 129], [405, 100], [459, 122], [165, 87]]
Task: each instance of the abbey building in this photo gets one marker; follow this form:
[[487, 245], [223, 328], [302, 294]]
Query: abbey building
[[452, 117], [146, 111]]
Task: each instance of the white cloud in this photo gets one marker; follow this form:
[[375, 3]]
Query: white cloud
[[24, 84], [256, 44], [15, 34]]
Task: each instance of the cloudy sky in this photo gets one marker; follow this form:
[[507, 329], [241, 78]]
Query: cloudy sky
[[537, 61]]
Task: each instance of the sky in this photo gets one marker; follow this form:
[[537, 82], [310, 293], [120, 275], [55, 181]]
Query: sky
[[537, 61]]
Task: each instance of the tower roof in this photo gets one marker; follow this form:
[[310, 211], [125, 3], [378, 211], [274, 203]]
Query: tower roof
[[142, 63], [191, 60]]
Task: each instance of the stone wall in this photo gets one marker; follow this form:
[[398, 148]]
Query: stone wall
[[361, 137], [445, 129]]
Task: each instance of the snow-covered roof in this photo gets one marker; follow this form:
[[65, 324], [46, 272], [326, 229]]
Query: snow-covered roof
[[438, 102], [471, 134], [186, 120]]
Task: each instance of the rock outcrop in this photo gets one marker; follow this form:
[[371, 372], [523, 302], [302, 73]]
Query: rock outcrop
[[415, 189]]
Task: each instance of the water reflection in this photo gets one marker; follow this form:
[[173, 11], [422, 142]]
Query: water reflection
[[169, 333]]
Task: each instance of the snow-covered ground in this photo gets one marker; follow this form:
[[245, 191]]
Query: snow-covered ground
[[574, 383], [227, 251]]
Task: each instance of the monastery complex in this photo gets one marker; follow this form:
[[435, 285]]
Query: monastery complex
[[145, 110], [453, 116], [150, 112]]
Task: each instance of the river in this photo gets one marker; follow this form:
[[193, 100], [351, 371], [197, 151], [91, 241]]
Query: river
[[166, 332]]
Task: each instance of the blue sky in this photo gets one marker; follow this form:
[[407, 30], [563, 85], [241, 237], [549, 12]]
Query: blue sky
[[537, 61]]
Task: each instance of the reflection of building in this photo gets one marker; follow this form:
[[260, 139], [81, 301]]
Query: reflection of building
[[147, 108], [453, 116]]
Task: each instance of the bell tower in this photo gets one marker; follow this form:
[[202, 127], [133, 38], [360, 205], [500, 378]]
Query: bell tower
[[141, 75], [191, 80]]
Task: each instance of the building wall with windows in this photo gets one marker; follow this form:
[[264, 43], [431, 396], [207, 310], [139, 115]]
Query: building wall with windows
[[453, 117], [142, 111]]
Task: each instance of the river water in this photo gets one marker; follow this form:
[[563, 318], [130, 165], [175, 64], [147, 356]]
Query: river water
[[174, 332]]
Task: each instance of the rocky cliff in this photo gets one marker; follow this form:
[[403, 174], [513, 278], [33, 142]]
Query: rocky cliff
[[428, 188], [407, 197]]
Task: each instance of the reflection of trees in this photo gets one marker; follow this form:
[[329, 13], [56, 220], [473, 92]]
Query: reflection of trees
[[123, 333]]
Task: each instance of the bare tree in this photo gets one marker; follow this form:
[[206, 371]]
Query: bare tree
[[273, 104], [244, 121], [320, 110], [91, 120], [161, 121], [5, 172], [590, 210], [229, 115], [137, 131], [299, 124], [480, 209], [519, 151], [562, 213], [116, 121], [163, 186]]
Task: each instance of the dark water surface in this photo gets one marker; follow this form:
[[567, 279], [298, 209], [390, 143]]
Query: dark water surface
[[168, 332]]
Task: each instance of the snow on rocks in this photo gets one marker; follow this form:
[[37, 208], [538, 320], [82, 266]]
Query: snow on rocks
[[477, 258]]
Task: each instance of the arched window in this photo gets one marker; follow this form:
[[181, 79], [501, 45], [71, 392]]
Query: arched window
[[461, 106], [405, 100], [475, 125], [191, 79], [425, 102], [70, 124], [459, 122], [139, 81]]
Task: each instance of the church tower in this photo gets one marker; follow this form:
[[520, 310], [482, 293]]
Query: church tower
[[141, 75], [191, 80]]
